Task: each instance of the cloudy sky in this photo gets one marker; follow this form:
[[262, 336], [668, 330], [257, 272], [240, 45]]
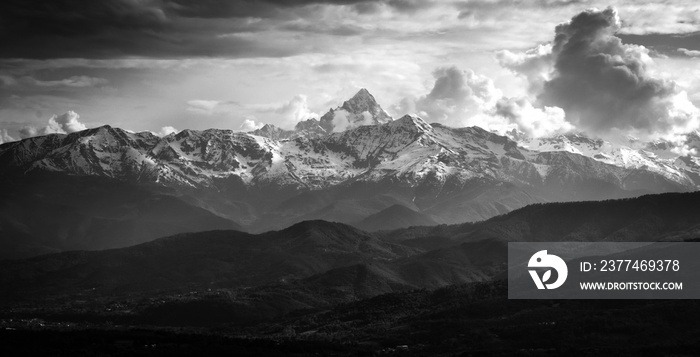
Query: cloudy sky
[[541, 66]]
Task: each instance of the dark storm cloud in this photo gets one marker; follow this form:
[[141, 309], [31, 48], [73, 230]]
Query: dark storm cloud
[[603, 84], [118, 44], [150, 28], [111, 28], [30, 28]]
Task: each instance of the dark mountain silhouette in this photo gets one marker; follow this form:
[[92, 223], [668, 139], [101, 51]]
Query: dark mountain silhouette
[[468, 262], [669, 216], [207, 259], [318, 264], [41, 214]]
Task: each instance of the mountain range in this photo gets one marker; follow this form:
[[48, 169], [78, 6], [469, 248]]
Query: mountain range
[[354, 165], [317, 264]]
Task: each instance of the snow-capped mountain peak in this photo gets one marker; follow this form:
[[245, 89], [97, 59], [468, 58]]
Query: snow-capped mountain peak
[[361, 109], [363, 102]]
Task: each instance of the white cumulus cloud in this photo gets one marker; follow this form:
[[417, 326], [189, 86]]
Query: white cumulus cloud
[[689, 53], [296, 110], [65, 123], [250, 124], [5, 137], [604, 86], [166, 130], [535, 122], [458, 98]]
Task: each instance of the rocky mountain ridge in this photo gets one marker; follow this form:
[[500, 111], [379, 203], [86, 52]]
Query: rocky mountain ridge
[[270, 179]]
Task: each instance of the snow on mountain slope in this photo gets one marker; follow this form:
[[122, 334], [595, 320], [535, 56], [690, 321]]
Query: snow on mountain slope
[[103, 151], [407, 150], [275, 133], [656, 158], [196, 157], [456, 175], [17, 153], [310, 128]]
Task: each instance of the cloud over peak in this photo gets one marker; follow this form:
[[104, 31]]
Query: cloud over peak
[[65, 123], [5, 137], [535, 122], [456, 97], [166, 130]]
